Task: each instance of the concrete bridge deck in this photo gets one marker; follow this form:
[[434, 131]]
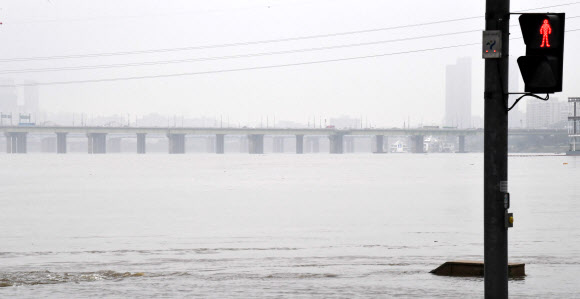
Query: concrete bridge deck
[[16, 136], [270, 131]]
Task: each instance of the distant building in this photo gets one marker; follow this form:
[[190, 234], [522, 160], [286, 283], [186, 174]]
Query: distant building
[[516, 118], [343, 122], [289, 124], [8, 97], [458, 94], [574, 126], [546, 114], [30, 99]]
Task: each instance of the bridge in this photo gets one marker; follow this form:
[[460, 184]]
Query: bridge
[[16, 136]]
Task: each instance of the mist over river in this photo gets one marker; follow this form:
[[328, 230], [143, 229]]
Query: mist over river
[[276, 225]]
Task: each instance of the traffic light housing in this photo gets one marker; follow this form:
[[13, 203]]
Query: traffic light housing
[[542, 66]]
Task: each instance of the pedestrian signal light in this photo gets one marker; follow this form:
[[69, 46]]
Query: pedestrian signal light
[[542, 66], [545, 31]]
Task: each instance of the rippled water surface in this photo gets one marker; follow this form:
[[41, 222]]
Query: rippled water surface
[[278, 225]]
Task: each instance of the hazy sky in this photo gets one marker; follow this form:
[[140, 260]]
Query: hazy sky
[[385, 89]]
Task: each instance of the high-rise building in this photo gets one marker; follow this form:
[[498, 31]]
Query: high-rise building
[[31, 98], [458, 94], [546, 114], [8, 97]]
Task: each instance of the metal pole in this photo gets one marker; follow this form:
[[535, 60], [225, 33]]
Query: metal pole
[[574, 128], [495, 156]]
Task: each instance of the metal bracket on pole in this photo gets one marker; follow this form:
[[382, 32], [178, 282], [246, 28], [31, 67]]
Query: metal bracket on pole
[[509, 219], [506, 201]]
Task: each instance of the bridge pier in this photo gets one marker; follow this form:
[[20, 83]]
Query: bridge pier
[[220, 144], [97, 143], [61, 142], [336, 143], [176, 143], [417, 142], [16, 142], [141, 144], [461, 144], [256, 143], [379, 144], [299, 144], [278, 144]]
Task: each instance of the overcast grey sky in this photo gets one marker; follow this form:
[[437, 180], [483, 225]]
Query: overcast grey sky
[[385, 89]]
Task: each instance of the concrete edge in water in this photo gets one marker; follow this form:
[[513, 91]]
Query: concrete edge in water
[[474, 269]]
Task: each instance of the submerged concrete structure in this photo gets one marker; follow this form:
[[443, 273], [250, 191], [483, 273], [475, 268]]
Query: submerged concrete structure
[[474, 269]]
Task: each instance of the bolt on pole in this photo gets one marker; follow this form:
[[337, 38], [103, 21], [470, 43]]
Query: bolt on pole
[[495, 155]]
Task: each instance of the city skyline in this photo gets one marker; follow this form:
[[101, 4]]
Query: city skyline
[[406, 84]]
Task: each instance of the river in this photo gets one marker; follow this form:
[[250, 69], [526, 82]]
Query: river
[[276, 225]]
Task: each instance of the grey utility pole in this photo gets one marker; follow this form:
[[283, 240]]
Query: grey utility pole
[[495, 156]]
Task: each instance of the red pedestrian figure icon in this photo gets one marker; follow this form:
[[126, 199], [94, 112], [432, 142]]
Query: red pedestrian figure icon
[[545, 30]]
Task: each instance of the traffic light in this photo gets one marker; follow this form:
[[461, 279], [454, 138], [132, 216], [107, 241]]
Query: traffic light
[[542, 66]]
